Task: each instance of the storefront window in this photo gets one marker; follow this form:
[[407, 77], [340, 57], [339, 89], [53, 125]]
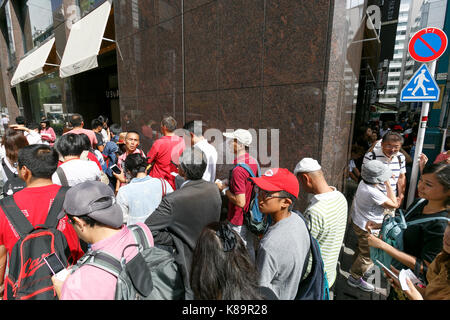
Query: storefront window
[[46, 96], [87, 6], [40, 17]]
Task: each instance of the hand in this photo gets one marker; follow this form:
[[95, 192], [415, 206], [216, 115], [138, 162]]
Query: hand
[[399, 201], [370, 225], [375, 242], [394, 282], [19, 127], [121, 177], [2, 288], [220, 185], [412, 293], [57, 284]]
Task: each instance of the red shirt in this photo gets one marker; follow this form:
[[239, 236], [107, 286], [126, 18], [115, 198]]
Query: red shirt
[[163, 151], [35, 204], [239, 184]]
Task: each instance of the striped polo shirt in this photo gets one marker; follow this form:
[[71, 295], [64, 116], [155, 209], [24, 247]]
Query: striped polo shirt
[[327, 217], [393, 164]]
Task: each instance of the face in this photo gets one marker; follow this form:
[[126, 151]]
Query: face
[[446, 241], [390, 147], [305, 182], [369, 132], [43, 125], [132, 141], [430, 188], [271, 202]]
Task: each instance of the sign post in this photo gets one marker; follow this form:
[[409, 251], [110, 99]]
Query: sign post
[[427, 45]]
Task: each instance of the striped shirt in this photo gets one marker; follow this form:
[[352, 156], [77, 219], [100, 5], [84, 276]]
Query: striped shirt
[[393, 164], [327, 216]]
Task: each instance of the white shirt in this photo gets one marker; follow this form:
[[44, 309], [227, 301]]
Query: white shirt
[[105, 136], [367, 205], [78, 171], [211, 159], [33, 137], [10, 167]]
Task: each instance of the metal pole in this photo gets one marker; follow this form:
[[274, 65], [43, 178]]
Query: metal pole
[[419, 145]]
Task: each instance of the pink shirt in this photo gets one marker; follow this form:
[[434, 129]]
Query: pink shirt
[[89, 133], [91, 283]]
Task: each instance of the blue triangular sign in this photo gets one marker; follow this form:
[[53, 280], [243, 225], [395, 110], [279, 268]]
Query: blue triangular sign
[[421, 88]]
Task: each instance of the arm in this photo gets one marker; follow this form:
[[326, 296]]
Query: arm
[[3, 254], [123, 203], [401, 256], [159, 222], [401, 186], [236, 199], [392, 202]]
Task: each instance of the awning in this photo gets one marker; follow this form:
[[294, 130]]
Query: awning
[[33, 64], [84, 42]]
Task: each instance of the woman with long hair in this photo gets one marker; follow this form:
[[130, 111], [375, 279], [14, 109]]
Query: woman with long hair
[[421, 242], [222, 268], [12, 141], [48, 135]]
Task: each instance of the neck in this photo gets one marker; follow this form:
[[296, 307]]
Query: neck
[[67, 158], [280, 215], [241, 152], [141, 175], [130, 151], [38, 182], [434, 206], [322, 188], [169, 134], [102, 233], [197, 139]]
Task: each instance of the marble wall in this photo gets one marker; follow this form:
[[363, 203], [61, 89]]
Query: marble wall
[[261, 64]]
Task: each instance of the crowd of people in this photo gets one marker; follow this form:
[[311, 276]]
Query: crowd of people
[[111, 197]]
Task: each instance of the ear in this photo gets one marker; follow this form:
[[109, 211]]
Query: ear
[[286, 203]]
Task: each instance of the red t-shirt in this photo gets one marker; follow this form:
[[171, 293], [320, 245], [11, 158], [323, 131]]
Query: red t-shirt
[[163, 151], [239, 184], [35, 204]]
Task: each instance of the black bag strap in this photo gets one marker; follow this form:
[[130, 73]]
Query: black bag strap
[[8, 172], [22, 225], [62, 177], [55, 209]]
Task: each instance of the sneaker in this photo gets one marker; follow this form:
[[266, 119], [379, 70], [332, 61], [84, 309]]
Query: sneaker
[[360, 283], [367, 274]]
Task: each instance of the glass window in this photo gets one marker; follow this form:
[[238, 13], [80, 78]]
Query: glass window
[[87, 6], [40, 16]]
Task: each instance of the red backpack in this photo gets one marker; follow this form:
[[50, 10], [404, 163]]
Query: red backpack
[[28, 277]]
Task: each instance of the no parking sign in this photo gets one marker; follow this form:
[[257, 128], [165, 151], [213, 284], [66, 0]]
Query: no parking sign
[[427, 44]]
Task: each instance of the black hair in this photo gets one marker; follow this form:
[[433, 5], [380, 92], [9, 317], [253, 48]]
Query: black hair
[[20, 120], [442, 172], [170, 123], [96, 123], [70, 144], [40, 159], [193, 163], [195, 127], [33, 126], [135, 163], [103, 119], [88, 220], [132, 131], [216, 274], [76, 120], [293, 198], [115, 129], [86, 142]]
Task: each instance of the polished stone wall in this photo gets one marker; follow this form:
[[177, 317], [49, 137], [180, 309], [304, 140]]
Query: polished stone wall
[[261, 64]]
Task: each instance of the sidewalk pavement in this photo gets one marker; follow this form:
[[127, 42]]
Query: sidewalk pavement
[[342, 290]]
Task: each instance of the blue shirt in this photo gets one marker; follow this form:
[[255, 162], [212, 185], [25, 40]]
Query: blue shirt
[[140, 198]]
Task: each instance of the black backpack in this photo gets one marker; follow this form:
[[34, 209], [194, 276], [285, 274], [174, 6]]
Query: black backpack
[[315, 285], [28, 277], [14, 183]]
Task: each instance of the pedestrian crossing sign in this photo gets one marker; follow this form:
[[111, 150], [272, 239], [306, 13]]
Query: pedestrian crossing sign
[[421, 88]]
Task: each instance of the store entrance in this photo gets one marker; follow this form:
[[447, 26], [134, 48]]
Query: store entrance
[[96, 92]]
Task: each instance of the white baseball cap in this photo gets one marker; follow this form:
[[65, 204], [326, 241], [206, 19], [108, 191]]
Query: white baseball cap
[[307, 165], [241, 135]]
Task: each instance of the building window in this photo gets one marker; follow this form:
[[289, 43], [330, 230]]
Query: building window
[[87, 6], [38, 20]]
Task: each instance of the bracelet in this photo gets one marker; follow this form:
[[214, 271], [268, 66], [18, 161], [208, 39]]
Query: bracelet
[[224, 191]]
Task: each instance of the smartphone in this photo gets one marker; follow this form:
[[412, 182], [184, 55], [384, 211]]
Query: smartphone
[[393, 275], [116, 169], [54, 264]]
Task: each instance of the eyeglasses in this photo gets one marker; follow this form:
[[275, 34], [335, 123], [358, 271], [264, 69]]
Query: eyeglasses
[[266, 194]]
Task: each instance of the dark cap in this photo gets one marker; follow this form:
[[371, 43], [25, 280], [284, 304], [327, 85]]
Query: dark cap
[[95, 200]]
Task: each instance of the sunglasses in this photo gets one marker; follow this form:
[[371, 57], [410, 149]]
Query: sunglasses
[[266, 194]]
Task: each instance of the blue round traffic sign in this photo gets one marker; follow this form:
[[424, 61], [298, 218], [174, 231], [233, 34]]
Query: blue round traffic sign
[[427, 44]]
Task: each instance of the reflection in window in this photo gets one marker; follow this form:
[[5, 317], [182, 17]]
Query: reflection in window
[[40, 16], [87, 6]]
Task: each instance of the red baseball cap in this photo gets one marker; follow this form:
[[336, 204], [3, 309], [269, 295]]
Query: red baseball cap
[[278, 179]]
